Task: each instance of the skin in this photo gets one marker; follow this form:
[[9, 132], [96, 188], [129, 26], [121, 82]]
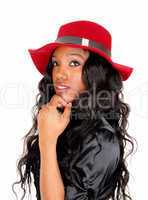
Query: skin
[[67, 69]]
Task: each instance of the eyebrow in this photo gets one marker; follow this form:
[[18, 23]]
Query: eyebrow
[[72, 54]]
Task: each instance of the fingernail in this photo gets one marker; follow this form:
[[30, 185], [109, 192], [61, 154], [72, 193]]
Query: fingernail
[[69, 104]]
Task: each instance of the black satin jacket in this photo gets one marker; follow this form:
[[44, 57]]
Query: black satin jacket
[[89, 175]]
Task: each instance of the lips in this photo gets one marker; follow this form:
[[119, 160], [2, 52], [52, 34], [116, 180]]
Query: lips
[[61, 87]]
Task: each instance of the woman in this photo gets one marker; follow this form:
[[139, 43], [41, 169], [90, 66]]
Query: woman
[[76, 146]]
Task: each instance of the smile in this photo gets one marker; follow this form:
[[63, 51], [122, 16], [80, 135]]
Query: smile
[[61, 88]]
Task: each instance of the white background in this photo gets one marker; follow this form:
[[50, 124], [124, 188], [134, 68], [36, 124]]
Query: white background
[[32, 23]]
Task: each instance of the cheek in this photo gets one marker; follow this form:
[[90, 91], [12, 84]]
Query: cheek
[[78, 83], [53, 74]]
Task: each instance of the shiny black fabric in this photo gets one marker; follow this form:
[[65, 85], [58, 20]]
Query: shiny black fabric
[[88, 175]]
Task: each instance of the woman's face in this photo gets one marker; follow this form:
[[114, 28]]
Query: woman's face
[[67, 71]]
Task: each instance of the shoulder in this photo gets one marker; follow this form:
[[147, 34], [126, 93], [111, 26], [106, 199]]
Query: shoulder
[[101, 140], [108, 150], [101, 148], [108, 142]]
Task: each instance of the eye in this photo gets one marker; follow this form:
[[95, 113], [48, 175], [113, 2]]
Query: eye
[[76, 63], [54, 63]]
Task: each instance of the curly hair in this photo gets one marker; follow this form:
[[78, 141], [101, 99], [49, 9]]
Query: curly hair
[[97, 72]]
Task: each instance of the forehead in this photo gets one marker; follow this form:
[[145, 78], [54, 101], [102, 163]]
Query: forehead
[[69, 50]]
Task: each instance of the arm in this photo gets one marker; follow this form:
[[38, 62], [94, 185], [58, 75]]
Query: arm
[[51, 184], [51, 124]]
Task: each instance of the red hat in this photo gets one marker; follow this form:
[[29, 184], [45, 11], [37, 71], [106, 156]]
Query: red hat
[[81, 34]]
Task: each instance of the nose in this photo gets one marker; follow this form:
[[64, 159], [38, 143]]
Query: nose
[[62, 73]]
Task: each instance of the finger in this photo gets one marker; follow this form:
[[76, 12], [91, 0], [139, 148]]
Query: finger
[[67, 111], [56, 100], [43, 106]]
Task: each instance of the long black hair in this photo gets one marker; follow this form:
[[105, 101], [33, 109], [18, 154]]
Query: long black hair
[[97, 72]]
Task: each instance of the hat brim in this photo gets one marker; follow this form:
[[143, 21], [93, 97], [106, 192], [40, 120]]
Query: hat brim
[[41, 56]]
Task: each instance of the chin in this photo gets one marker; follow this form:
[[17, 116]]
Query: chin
[[66, 97]]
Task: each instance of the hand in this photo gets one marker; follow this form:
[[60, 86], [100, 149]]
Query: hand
[[52, 123]]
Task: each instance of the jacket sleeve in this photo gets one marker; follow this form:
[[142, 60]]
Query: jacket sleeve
[[92, 170]]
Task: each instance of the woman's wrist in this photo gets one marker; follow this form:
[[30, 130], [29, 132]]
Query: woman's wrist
[[47, 145], [48, 153]]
